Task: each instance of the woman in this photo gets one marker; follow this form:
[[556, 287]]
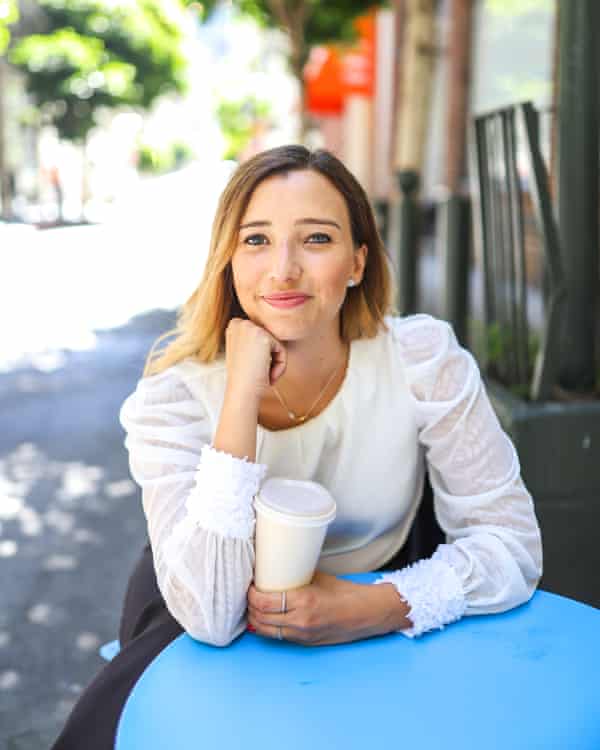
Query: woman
[[287, 361]]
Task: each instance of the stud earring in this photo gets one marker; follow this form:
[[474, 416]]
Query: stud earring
[[351, 283]]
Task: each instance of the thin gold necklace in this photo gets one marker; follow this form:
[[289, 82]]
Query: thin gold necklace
[[294, 416]]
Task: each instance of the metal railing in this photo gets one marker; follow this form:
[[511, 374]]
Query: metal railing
[[505, 141]]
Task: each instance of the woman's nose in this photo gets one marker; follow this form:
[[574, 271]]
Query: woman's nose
[[285, 263]]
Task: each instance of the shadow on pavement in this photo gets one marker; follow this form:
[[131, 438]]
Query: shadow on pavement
[[71, 525]]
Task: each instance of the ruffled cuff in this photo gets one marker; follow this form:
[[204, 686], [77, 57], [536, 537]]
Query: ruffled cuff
[[433, 591], [221, 501]]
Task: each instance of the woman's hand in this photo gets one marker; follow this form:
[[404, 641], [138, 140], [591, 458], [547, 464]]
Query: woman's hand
[[254, 358], [329, 610]]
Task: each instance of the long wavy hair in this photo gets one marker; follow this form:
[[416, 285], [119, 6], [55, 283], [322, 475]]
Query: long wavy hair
[[201, 322]]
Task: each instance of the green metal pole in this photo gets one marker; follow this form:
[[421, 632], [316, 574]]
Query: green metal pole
[[382, 212], [454, 238], [578, 188], [408, 242]]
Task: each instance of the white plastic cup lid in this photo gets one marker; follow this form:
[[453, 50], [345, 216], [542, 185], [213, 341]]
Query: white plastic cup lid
[[304, 500]]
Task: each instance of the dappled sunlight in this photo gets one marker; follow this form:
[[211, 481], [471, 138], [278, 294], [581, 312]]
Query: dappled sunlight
[[44, 496], [46, 614], [10, 506], [72, 485], [59, 520], [31, 522], [66, 495], [9, 679], [120, 489], [86, 536], [78, 480], [60, 562], [56, 515], [88, 642], [18, 471], [8, 548]]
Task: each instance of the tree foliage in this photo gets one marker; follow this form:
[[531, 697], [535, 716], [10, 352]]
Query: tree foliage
[[99, 53], [237, 120], [307, 22], [9, 14], [160, 159]]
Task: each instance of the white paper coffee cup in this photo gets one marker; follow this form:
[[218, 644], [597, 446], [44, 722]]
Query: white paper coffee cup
[[291, 522]]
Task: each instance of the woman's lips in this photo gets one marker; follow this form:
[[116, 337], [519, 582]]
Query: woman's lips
[[285, 302]]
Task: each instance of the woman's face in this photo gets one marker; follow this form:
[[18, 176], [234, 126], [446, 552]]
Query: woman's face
[[295, 237]]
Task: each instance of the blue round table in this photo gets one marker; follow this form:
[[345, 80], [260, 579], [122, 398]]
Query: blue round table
[[527, 678]]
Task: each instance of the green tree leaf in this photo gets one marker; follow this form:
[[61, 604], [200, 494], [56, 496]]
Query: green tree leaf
[[9, 14], [101, 54]]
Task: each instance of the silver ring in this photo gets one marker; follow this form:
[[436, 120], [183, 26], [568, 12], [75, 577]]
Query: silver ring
[[279, 635], [283, 603]]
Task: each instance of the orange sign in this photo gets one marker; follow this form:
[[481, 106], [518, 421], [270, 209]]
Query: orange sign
[[323, 81], [330, 74], [358, 64]]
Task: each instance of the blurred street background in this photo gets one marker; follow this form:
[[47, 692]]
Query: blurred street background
[[472, 124]]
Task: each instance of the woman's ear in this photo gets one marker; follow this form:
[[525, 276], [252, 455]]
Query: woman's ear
[[360, 261]]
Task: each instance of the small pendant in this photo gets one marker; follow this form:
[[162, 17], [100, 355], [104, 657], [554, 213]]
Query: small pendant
[[291, 415]]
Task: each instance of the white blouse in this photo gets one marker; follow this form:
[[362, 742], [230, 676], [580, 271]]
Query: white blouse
[[410, 396]]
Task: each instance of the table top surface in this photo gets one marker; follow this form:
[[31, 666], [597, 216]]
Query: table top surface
[[526, 678]]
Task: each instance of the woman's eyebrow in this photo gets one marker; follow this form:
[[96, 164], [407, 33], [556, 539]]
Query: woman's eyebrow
[[308, 220]]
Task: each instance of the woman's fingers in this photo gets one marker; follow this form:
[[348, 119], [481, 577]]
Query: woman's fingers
[[299, 623], [278, 362], [265, 611], [288, 632], [268, 618], [321, 613], [266, 602], [274, 619], [254, 358], [271, 629]]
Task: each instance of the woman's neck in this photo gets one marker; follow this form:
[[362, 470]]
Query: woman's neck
[[310, 363], [313, 374]]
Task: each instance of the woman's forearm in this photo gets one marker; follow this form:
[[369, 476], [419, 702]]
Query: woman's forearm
[[205, 584], [236, 431], [212, 549]]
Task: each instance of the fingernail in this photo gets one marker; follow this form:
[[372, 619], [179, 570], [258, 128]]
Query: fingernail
[[250, 628]]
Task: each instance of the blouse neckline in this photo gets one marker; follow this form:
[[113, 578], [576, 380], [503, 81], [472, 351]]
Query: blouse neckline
[[330, 406]]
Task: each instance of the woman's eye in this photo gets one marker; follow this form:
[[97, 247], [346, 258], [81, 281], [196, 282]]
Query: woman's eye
[[255, 239], [317, 238], [321, 237]]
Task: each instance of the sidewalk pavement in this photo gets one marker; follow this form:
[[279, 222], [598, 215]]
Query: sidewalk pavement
[[71, 526]]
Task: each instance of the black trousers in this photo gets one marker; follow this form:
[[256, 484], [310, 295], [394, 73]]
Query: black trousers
[[147, 627]]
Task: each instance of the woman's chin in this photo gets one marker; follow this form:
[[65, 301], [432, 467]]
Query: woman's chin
[[287, 330]]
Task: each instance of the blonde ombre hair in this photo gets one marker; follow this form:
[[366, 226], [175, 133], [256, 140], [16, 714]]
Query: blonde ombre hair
[[202, 321]]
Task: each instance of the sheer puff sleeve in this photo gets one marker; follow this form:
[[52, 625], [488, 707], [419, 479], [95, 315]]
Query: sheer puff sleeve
[[198, 506], [492, 560]]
